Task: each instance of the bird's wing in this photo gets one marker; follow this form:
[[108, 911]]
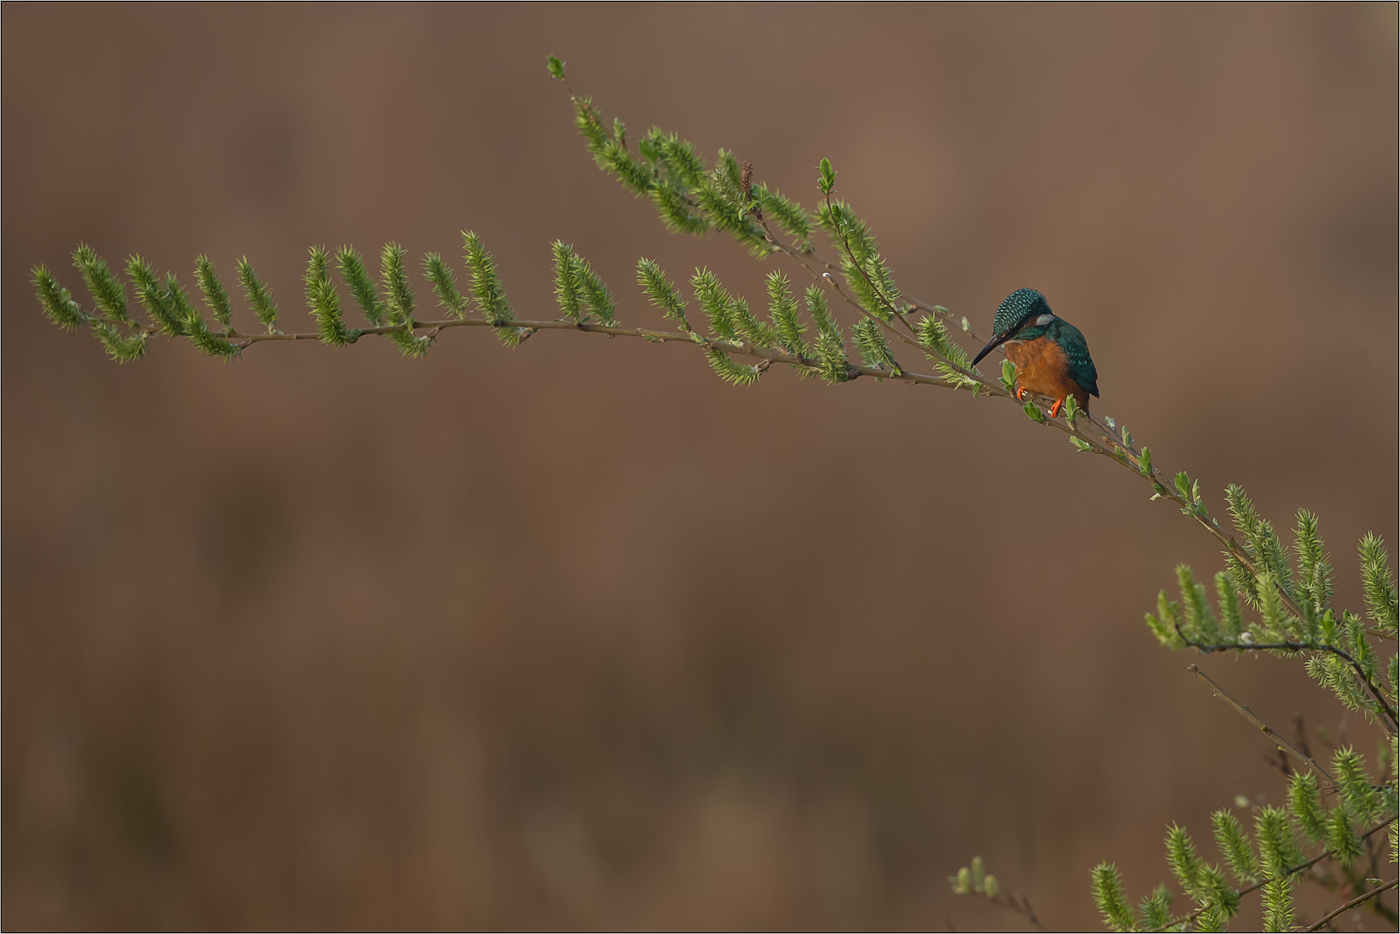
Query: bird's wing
[[1076, 348]]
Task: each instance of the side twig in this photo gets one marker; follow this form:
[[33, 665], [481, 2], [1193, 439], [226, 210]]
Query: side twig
[[1372, 688], [1249, 715], [1358, 900], [1022, 906], [656, 337]]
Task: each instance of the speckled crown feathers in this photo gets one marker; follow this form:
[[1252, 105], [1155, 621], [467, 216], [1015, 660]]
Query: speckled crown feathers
[[1017, 307]]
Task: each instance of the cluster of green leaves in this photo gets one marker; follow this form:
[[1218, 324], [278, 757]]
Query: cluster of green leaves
[[733, 325], [164, 300], [1291, 598], [949, 358], [692, 196], [1341, 653], [1271, 860], [861, 263], [689, 195], [830, 348], [581, 294], [387, 307]]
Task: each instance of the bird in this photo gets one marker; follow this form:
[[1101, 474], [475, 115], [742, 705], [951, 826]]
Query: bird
[[1051, 356]]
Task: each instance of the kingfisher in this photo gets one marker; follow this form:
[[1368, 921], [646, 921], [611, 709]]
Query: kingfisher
[[1050, 354]]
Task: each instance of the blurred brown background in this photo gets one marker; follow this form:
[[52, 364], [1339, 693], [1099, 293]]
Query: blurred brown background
[[577, 635]]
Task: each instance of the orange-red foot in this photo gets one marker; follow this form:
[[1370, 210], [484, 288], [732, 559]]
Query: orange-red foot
[[1020, 394], [1055, 409]]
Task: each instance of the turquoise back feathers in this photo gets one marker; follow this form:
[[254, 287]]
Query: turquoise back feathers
[[1076, 348]]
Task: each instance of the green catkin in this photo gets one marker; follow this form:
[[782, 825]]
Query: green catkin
[[213, 290], [259, 296], [661, 291]]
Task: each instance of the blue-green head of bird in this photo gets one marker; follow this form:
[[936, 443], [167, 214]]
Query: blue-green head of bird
[[1017, 310], [1024, 315]]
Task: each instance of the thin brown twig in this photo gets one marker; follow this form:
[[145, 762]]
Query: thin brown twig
[[1244, 711], [1020, 904], [1017, 902], [1374, 689], [1363, 897], [940, 310], [658, 337]]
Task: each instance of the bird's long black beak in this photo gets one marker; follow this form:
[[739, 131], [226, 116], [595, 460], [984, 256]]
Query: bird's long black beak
[[991, 345]]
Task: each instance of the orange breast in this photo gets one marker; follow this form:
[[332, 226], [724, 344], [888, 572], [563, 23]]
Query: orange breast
[[1041, 368]]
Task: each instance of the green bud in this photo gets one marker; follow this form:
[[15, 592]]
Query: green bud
[[991, 886], [1071, 410], [979, 872], [1183, 485], [826, 180], [556, 68]]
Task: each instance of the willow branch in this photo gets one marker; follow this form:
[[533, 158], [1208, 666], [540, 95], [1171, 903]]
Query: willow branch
[[1360, 672], [1364, 897], [1020, 904], [1244, 711], [1290, 871], [739, 348], [1353, 882]]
